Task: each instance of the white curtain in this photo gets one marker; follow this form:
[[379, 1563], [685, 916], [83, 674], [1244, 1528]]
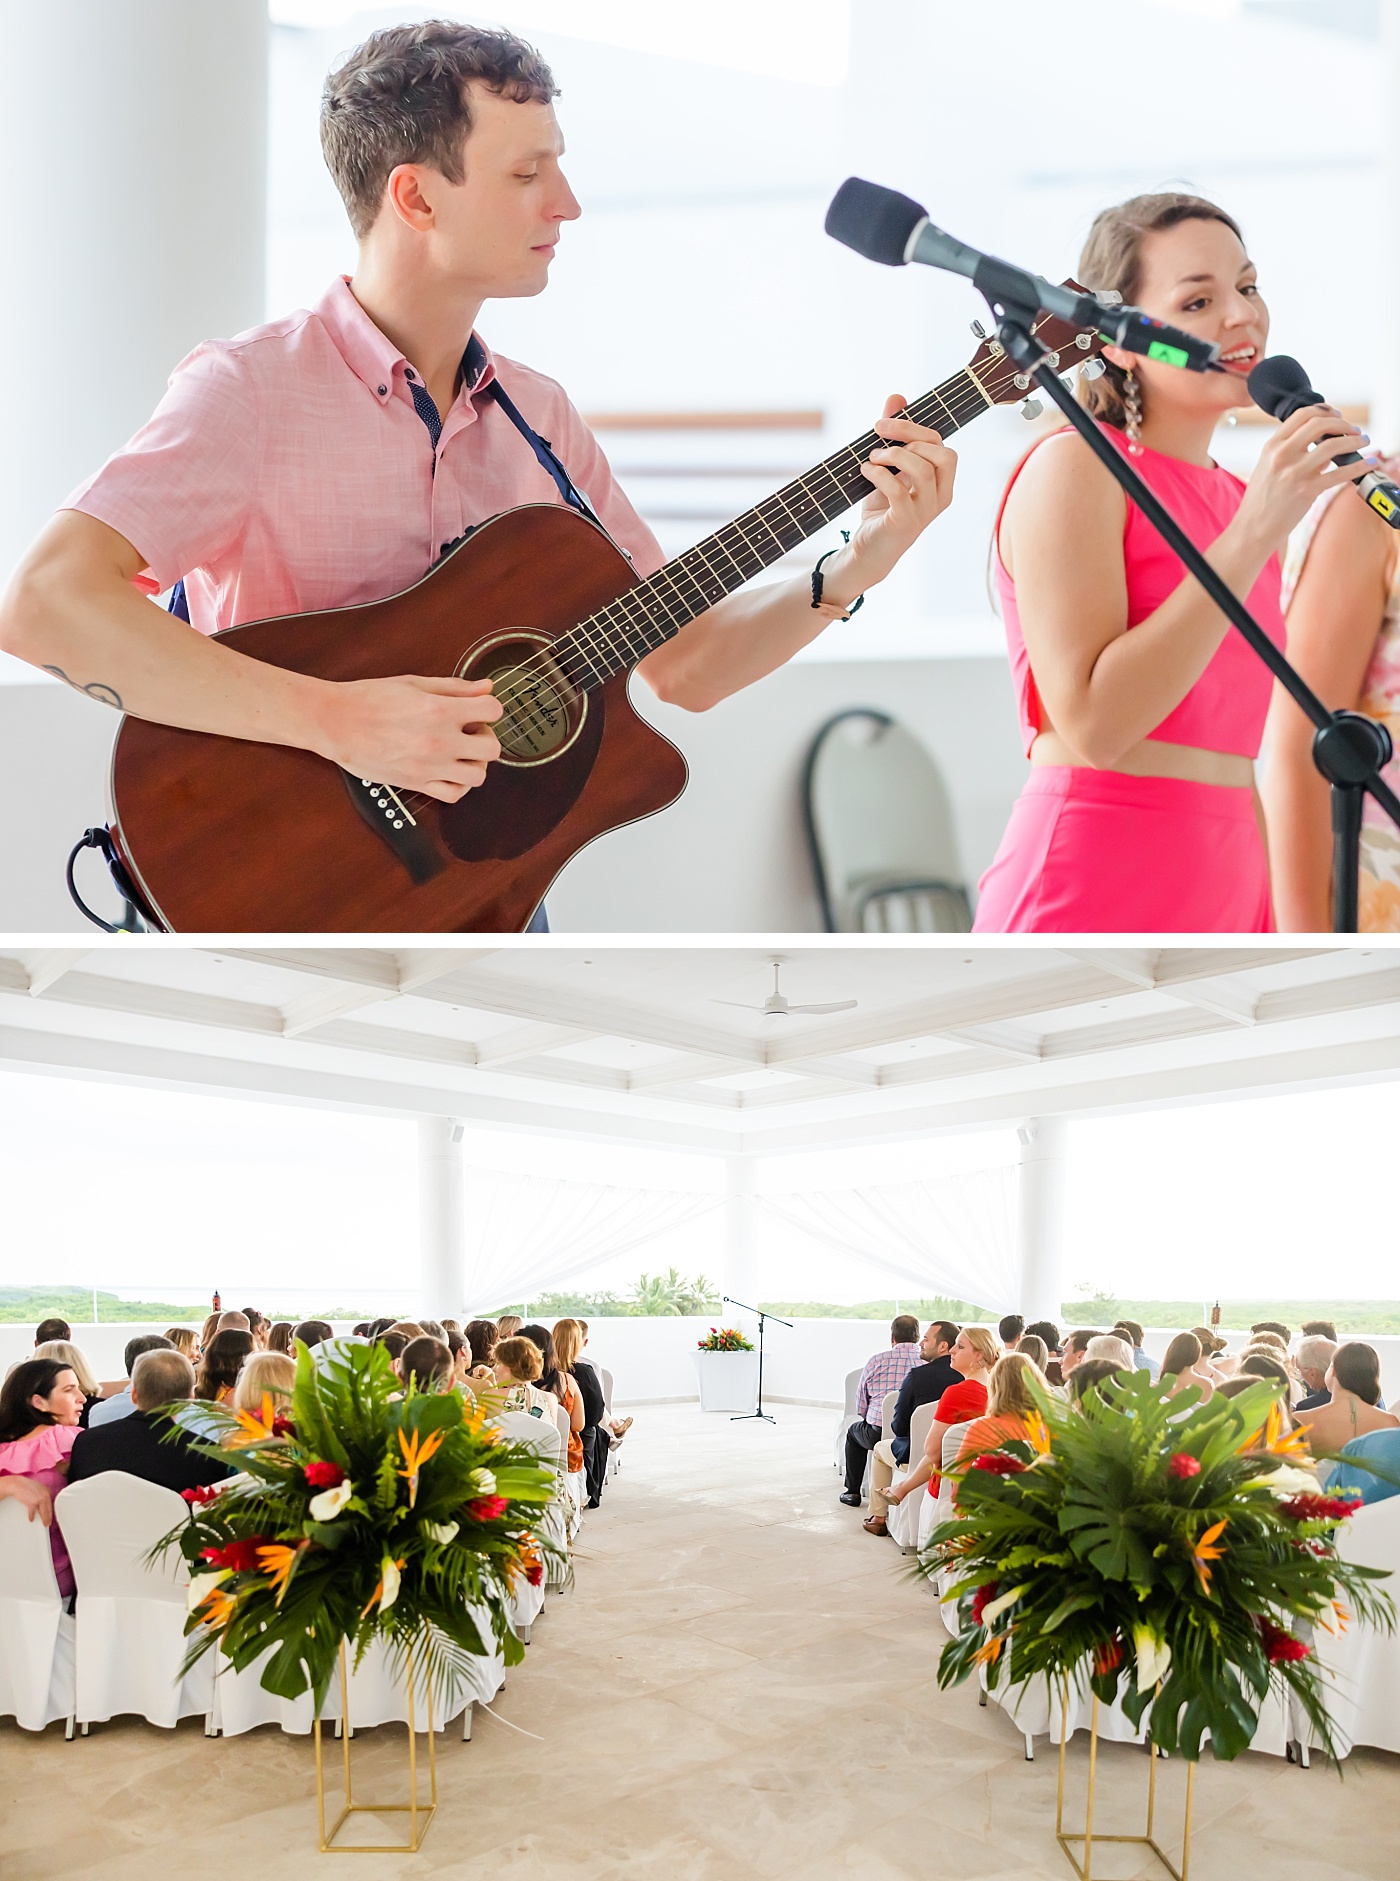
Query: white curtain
[[952, 1235], [526, 1234]]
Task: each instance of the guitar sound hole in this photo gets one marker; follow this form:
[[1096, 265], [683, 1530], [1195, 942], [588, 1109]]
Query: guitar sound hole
[[543, 714]]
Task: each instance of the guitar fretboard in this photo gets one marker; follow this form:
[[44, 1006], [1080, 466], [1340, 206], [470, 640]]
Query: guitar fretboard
[[647, 616]]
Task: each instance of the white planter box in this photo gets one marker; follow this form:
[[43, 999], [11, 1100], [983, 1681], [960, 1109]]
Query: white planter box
[[728, 1381]]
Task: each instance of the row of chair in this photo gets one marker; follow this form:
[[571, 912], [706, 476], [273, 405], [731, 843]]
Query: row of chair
[[1362, 1666], [119, 1652]]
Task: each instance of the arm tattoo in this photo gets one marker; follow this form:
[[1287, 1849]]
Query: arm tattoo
[[104, 695]]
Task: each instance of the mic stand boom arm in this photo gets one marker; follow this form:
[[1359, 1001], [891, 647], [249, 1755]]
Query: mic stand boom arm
[[1349, 750]]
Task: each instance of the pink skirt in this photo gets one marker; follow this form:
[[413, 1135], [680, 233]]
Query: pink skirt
[[1099, 852]]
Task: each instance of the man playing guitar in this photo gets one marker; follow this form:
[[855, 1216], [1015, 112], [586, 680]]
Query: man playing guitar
[[327, 458]]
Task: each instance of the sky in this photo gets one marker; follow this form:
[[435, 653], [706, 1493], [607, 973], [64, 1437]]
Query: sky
[[156, 1194]]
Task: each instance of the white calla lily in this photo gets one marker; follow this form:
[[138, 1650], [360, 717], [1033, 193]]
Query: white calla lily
[[326, 1506], [441, 1532], [1154, 1656], [483, 1482], [202, 1585], [994, 1609], [390, 1575]]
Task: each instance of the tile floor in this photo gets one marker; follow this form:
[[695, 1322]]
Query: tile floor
[[742, 1685]]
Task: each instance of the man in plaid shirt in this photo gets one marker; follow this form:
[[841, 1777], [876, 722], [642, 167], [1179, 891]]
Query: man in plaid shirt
[[885, 1372]]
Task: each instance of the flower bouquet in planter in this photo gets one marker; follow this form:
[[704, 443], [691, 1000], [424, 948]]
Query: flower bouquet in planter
[[1181, 1560], [363, 1514], [724, 1339]]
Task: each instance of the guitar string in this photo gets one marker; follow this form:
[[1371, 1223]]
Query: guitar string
[[594, 635]]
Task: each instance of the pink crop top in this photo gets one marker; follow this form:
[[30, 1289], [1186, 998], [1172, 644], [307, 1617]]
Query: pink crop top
[[1226, 708]]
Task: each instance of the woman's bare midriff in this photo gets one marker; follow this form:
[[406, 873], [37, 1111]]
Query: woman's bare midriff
[[1154, 758]]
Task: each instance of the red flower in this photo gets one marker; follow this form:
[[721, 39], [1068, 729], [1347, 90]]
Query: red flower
[[283, 1426], [534, 1573], [1281, 1646], [240, 1555], [1108, 1655], [198, 1496], [487, 1508], [324, 1475], [999, 1464], [982, 1599], [1183, 1465], [1319, 1508]]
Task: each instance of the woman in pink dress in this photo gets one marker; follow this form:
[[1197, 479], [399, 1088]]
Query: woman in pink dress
[[39, 1410], [1142, 709], [1341, 588]]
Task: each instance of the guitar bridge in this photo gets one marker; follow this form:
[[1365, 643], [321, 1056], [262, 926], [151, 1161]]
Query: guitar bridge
[[390, 818]]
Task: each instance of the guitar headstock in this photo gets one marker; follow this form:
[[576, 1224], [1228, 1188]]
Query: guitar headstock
[[1000, 379]]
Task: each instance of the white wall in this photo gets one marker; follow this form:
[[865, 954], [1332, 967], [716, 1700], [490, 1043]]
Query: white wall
[[729, 857], [650, 1359]]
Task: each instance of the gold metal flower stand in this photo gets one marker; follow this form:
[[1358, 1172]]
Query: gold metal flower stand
[[1087, 1837], [419, 1813]]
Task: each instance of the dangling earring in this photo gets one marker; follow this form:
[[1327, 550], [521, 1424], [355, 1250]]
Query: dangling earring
[[1132, 405]]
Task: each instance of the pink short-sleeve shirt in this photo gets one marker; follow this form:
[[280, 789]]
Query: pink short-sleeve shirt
[[288, 470]]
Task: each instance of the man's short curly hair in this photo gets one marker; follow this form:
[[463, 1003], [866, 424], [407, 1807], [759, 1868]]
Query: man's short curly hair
[[402, 97]]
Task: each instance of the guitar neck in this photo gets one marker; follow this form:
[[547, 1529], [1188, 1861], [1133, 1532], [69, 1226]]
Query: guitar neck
[[647, 616]]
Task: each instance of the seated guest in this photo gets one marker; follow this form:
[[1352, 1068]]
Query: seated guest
[[1009, 1330], [1212, 1345], [1352, 1478], [51, 1329], [426, 1364], [588, 1439], [1047, 1330], [1035, 1349], [975, 1351], [1009, 1407], [1354, 1380], [1182, 1367], [517, 1365], [395, 1344], [312, 1332], [1075, 1347], [549, 1374], [1315, 1354], [410, 1328], [886, 1371], [1264, 1336], [1264, 1363], [279, 1337], [31, 1495], [264, 1373], [434, 1329], [1089, 1374], [259, 1325], [106, 1410], [1107, 1345], [40, 1404], [508, 1324], [1276, 1327], [207, 1331], [481, 1336], [1133, 1335], [924, 1384], [616, 1427], [182, 1339], [220, 1366], [461, 1353], [233, 1321], [140, 1445], [1319, 1329], [66, 1353]]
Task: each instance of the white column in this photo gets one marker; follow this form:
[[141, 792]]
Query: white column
[[739, 1258], [441, 1218], [1040, 1211], [133, 141], [1383, 345]]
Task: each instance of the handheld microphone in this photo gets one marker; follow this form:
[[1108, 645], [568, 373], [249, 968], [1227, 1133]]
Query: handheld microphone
[[885, 226], [1280, 386]]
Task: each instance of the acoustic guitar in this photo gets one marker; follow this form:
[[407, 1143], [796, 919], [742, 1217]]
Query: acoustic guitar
[[220, 834]]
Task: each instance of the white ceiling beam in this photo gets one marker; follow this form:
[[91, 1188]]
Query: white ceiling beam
[[419, 967], [1135, 966], [528, 1041], [103, 993], [1022, 1047], [690, 1069], [327, 1003], [47, 968], [349, 966], [1226, 1002]]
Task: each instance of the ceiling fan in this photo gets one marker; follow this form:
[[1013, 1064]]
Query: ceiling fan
[[776, 1006]]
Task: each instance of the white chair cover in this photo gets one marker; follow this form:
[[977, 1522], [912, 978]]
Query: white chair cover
[[1362, 1694], [130, 1614], [379, 1695], [241, 1703], [605, 1379], [847, 1417], [553, 1527], [36, 1635]]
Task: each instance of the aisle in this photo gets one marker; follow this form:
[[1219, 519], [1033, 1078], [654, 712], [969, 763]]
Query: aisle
[[742, 1686]]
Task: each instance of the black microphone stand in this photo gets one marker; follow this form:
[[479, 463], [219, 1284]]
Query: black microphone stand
[[744, 1417], [1349, 749]]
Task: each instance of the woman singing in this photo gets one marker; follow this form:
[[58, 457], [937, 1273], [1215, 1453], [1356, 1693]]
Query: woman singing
[[1142, 711]]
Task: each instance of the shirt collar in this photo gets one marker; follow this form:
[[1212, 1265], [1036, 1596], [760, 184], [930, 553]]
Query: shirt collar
[[372, 355]]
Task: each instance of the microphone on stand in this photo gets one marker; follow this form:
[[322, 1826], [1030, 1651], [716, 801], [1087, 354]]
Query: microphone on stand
[[1280, 386], [885, 226]]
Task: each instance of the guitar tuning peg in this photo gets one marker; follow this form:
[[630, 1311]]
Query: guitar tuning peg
[[1032, 409], [1083, 341], [1092, 369], [980, 331]]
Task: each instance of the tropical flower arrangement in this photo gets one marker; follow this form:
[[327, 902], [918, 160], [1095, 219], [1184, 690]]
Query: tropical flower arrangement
[[724, 1339], [365, 1512], [1182, 1560]]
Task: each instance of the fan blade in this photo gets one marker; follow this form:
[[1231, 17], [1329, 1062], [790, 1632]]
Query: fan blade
[[839, 1005], [740, 1005]]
